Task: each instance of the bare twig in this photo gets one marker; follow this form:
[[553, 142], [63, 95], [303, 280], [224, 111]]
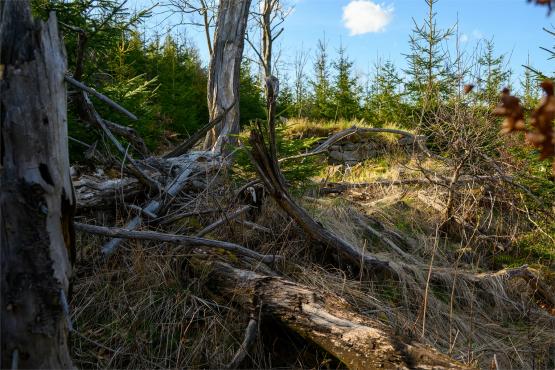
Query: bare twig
[[224, 219], [101, 97]]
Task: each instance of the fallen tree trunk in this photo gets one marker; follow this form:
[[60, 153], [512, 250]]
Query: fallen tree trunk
[[36, 198], [322, 318]]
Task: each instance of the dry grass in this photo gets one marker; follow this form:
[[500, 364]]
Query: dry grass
[[142, 309]]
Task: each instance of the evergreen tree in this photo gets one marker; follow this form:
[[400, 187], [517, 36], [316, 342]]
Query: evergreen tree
[[430, 78], [493, 77], [384, 104], [346, 90], [251, 95], [322, 105]]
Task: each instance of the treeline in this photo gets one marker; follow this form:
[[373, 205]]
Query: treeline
[[163, 80]]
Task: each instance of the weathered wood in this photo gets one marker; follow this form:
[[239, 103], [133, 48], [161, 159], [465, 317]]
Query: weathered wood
[[191, 241], [193, 162], [101, 97], [322, 318], [223, 76], [101, 192], [36, 201], [130, 134]]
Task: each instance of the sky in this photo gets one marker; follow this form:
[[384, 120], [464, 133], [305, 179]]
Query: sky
[[372, 30]]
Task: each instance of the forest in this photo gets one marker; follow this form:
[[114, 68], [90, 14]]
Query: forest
[[178, 190]]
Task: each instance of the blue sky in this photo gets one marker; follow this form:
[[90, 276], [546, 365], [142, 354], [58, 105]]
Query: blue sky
[[381, 29]]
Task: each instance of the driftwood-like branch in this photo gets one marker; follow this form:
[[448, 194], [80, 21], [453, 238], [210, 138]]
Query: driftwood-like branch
[[199, 134], [250, 336], [170, 191], [190, 241], [272, 178], [152, 207], [224, 219], [101, 97], [323, 148], [322, 318]]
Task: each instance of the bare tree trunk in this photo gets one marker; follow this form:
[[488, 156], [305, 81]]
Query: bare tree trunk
[[223, 78], [36, 199]]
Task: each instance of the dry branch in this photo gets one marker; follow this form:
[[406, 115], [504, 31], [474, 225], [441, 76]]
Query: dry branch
[[273, 180], [101, 97], [322, 148], [191, 241], [224, 219]]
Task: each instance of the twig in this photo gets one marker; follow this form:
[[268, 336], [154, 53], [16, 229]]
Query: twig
[[189, 241], [222, 220], [101, 97]]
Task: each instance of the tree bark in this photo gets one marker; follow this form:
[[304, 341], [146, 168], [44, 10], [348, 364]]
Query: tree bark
[[223, 78], [36, 199], [322, 318]]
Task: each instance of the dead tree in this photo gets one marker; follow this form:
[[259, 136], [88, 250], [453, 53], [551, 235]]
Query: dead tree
[[223, 77], [270, 18], [36, 193]]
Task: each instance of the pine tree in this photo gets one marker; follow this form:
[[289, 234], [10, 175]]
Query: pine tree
[[430, 78], [322, 106], [384, 105], [493, 77], [346, 90]]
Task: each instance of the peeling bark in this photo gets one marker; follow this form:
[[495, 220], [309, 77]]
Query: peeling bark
[[36, 198]]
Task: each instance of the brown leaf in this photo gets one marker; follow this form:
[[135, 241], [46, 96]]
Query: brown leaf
[[468, 88], [541, 120], [510, 108]]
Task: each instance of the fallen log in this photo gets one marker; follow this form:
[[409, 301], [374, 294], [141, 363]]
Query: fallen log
[[325, 319], [190, 241]]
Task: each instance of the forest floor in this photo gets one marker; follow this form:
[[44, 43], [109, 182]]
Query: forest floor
[[143, 309]]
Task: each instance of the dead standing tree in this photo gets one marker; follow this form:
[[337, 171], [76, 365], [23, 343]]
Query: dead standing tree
[[223, 77], [36, 192]]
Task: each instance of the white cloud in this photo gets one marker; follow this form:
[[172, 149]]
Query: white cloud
[[364, 16], [464, 38]]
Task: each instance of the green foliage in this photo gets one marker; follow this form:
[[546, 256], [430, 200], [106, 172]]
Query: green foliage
[[346, 90], [383, 104], [251, 96], [492, 76], [430, 78], [322, 105]]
